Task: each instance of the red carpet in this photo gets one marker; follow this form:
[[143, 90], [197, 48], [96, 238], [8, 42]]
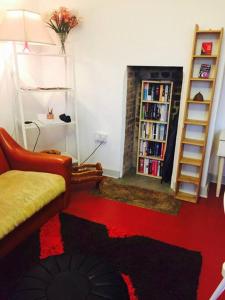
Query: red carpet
[[198, 227]]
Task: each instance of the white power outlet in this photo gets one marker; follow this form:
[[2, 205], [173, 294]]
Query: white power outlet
[[101, 137]]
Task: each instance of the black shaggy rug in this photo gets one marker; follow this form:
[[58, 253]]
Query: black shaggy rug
[[155, 269]]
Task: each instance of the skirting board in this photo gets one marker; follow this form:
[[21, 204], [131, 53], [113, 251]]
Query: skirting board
[[111, 173], [213, 178]]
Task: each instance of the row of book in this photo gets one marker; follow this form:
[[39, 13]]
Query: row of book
[[153, 131], [148, 148], [156, 92], [153, 111], [150, 166]]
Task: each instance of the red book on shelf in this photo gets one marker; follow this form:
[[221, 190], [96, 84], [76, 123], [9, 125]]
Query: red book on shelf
[[141, 165], [154, 168], [206, 48]]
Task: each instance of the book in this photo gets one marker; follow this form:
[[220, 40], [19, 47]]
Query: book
[[141, 165], [204, 71], [141, 150], [146, 164], [206, 48], [166, 93], [162, 151], [157, 92], [145, 91], [164, 111], [158, 168], [149, 97], [150, 167]]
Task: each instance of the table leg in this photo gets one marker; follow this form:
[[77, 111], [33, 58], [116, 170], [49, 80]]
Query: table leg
[[220, 175], [219, 290]]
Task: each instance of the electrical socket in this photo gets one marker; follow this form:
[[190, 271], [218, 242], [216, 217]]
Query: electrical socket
[[101, 137]]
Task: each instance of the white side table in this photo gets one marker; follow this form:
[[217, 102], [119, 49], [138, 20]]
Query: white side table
[[221, 287], [221, 154]]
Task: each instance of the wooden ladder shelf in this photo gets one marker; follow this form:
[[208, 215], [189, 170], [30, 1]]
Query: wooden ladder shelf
[[202, 78]]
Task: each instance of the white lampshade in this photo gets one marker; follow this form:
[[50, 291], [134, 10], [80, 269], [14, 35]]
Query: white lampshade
[[24, 26]]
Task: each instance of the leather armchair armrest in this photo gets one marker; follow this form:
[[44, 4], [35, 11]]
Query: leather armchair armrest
[[21, 159]]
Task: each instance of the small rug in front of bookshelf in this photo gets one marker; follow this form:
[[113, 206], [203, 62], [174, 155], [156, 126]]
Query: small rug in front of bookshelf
[[150, 199]]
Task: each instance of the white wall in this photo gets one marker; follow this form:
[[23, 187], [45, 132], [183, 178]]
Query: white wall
[[114, 34]]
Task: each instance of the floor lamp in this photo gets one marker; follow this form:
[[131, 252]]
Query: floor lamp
[[26, 27]]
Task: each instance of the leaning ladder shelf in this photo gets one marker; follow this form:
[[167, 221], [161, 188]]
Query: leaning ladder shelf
[[191, 160]]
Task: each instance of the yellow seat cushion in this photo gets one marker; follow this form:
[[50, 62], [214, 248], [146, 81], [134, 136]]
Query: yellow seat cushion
[[23, 193]]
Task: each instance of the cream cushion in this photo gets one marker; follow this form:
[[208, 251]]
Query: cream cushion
[[23, 193]]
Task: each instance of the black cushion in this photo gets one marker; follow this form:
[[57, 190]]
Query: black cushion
[[71, 277]]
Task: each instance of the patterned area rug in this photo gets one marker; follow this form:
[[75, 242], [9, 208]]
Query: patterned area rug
[[152, 269], [150, 199]]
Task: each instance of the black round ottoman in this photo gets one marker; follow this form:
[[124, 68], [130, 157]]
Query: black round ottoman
[[71, 277]]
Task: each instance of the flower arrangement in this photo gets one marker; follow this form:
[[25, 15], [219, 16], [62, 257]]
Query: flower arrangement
[[62, 21]]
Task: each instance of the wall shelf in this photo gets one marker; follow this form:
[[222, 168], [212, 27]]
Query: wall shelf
[[39, 90]]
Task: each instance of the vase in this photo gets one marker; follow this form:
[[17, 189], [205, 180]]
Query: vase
[[62, 38]]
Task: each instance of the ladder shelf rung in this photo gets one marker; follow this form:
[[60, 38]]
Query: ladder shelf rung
[[202, 79], [186, 197], [205, 56], [189, 179], [191, 161], [196, 122], [193, 142], [207, 102], [208, 31]]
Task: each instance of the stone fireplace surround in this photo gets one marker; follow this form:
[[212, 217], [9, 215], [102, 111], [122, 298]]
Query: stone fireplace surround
[[135, 74]]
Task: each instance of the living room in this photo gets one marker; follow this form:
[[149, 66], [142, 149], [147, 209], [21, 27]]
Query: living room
[[112, 37]]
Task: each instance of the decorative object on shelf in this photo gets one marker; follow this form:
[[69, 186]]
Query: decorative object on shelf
[[204, 70], [206, 48], [65, 118], [62, 21], [50, 114], [198, 97]]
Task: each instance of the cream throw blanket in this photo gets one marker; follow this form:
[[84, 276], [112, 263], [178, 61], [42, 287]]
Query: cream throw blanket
[[23, 193]]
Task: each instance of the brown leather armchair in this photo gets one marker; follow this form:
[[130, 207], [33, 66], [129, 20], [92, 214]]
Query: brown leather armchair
[[13, 156]]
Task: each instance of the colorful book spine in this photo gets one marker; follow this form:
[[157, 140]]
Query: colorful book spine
[[166, 93], [145, 91], [161, 93]]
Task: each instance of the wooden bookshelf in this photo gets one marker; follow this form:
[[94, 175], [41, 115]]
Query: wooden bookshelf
[[206, 50], [153, 126]]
